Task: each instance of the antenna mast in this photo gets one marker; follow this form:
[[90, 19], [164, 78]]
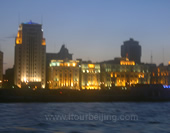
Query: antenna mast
[[18, 18], [163, 54], [41, 19], [151, 58]]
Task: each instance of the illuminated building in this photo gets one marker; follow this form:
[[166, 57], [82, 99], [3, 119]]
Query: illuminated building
[[30, 56], [152, 67], [132, 50], [1, 68], [125, 73], [161, 75], [90, 76], [127, 62], [63, 54], [63, 74]]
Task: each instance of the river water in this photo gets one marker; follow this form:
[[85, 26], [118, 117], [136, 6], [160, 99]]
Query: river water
[[113, 117]]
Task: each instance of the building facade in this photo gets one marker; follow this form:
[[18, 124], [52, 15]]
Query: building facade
[[8, 79], [30, 56], [124, 74], [1, 68], [71, 74], [106, 75], [63, 74], [132, 50], [161, 75], [90, 76], [63, 54]]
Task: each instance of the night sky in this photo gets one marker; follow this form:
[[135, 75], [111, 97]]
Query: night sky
[[90, 29]]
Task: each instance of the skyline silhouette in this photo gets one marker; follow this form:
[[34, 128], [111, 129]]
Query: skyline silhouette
[[98, 28]]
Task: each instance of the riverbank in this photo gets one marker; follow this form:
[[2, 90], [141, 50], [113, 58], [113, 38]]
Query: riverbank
[[66, 95]]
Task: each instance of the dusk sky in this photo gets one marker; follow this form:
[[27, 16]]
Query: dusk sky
[[91, 29]]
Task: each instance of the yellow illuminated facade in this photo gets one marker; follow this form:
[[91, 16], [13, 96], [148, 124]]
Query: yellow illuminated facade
[[64, 74], [161, 75], [19, 37], [43, 41], [91, 65], [90, 76], [30, 56], [124, 74], [127, 62]]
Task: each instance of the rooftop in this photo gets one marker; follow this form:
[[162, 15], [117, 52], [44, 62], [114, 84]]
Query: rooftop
[[30, 22]]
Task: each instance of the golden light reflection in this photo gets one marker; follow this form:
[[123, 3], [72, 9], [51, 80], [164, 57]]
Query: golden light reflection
[[127, 62], [91, 65], [115, 75], [43, 41], [111, 75], [19, 37], [141, 75], [18, 40]]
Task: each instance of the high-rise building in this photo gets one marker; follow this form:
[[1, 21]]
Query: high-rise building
[[132, 50], [1, 68], [30, 56]]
